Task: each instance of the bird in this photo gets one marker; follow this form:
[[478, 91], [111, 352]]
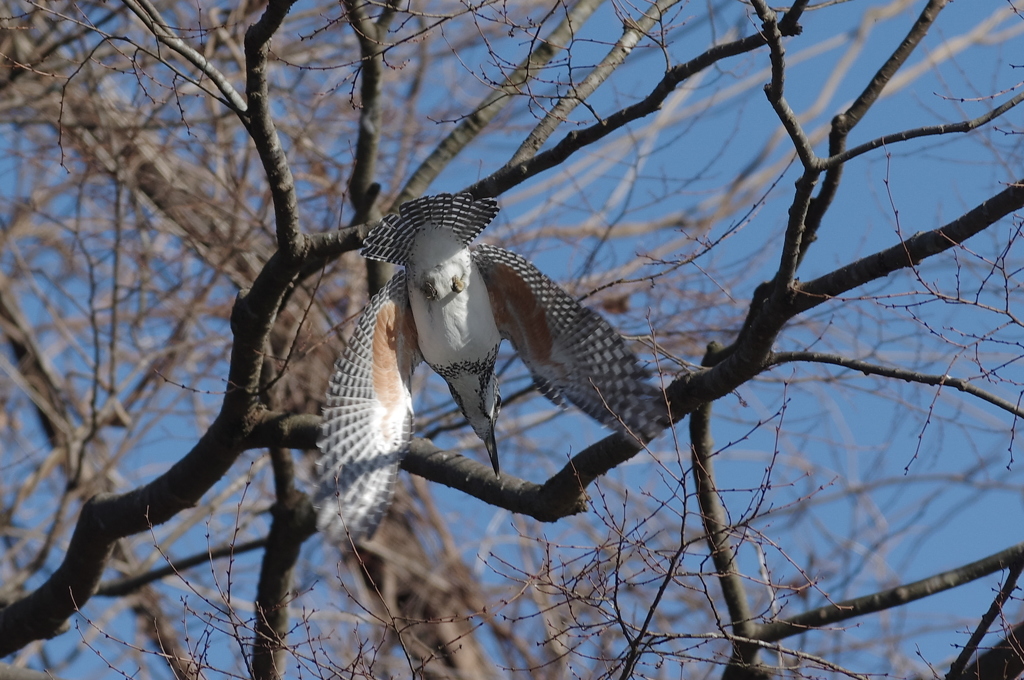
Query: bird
[[451, 306]]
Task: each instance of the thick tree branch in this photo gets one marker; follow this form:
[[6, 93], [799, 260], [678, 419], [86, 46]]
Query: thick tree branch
[[294, 520], [106, 518], [716, 525], [547, 503], [370, 34], [260, 125], [363, 187]]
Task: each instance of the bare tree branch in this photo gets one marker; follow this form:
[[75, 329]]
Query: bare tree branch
[[513, 174], [956, 670], [886, 599], [363, 186], [8, 672], [130, 584], [294, 520], [1003, 661], [633, 31], [516, 81], [868, 368], [716, 524], [161, 30], [260, 125], [844, 122]]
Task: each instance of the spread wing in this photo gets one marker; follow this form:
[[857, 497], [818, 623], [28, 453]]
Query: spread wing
[[367, 421], [392, 239], [572, 352]]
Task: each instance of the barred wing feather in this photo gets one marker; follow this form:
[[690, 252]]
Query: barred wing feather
[[367, 421], [572, 352], [393, 239]]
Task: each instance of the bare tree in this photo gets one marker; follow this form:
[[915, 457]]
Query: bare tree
[[803, 218]]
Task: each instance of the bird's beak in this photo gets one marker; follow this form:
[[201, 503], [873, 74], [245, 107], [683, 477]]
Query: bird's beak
[[492, 451]]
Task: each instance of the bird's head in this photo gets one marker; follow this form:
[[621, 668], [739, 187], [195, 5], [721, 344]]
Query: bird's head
[[439, 264], [476, 393]]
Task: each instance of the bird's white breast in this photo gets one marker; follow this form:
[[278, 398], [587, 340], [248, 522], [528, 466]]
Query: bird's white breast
[[456, 325]]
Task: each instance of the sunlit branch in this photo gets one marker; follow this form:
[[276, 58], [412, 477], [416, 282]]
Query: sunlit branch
[[512, 174], [150, 16], [633, 32], [471, 126], [868, 368], [887, 599], [330, 244]]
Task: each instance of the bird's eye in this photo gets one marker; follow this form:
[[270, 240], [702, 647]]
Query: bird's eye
[[430, 291]]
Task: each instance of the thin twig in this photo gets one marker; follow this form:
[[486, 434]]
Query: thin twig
[[868, 368]]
